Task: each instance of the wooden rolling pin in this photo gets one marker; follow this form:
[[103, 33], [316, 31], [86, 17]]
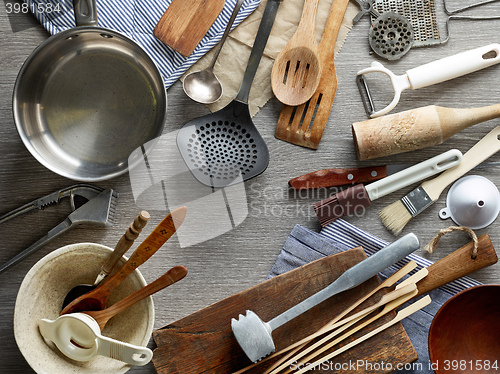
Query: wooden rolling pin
[[415, 129]]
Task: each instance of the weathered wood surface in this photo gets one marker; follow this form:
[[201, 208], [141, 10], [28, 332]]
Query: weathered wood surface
[[242, 257], [204, 343]]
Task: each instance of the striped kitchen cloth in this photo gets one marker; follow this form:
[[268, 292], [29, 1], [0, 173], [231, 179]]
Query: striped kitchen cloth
[[303, 246], [137, 19]]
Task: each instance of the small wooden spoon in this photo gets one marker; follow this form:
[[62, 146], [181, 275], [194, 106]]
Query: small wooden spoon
[[170, 277], [297, 70], [97, 298]]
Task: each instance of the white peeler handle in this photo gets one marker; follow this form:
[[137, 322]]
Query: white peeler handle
[[414, 174], [454, 66], [129, 353]]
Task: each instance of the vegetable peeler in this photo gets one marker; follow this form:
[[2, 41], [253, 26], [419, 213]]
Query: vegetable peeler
[[426, 75], [89, 204]]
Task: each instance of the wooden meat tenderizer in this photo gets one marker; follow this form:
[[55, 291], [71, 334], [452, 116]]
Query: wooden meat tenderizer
[[415, 129]]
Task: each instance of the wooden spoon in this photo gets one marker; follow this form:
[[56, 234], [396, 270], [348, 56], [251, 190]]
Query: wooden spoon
[[297, 70], [97, 298], [170, 277]]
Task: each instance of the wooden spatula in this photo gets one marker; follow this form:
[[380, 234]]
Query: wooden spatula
[[296, 124], [185, 22]]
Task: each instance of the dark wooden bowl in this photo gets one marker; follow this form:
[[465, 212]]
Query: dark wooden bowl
[[465, 333]]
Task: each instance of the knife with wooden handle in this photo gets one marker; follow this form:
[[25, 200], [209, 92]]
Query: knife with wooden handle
[[341, 177]]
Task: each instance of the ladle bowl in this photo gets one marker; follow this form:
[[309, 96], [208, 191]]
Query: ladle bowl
[[464, 337], [204, 86]]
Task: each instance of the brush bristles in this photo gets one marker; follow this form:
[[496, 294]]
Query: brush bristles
[[395, 217]]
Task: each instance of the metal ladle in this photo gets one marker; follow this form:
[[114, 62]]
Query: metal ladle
[[203, 86]]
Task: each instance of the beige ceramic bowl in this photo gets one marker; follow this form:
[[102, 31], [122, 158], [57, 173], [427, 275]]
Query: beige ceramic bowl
[[41, 295]]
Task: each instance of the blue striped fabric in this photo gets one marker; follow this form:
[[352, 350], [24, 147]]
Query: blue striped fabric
[[137, 19], [349, 235]]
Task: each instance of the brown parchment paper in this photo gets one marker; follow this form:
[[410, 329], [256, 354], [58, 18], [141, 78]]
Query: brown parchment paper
[[232, 61]]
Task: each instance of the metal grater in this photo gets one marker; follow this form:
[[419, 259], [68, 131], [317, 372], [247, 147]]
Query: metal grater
[[420, 13]]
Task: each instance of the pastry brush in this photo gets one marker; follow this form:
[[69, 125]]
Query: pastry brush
[[358, 197], [395, 216]]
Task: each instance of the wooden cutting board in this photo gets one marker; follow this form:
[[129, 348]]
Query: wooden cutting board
[[203, 342], [185, 23]]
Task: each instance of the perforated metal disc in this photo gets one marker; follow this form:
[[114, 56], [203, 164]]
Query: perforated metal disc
[[391, 36]]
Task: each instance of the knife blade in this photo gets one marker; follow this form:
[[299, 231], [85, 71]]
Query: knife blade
[[341, 177]]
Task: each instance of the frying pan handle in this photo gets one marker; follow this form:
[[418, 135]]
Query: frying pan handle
[[85, 12]]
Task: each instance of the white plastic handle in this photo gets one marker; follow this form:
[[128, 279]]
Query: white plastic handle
[[454, 66], [399, 84], [78, 336], [413, 174], [129, 353]]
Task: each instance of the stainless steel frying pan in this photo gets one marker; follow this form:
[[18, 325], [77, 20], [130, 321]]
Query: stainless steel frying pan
[[86, 98]]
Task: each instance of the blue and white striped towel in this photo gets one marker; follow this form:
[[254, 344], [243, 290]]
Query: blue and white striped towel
[[303, 246], [137, 19]]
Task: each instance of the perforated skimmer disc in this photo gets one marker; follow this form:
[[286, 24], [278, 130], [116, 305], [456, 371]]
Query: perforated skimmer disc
[[224, 147], [391, 36]]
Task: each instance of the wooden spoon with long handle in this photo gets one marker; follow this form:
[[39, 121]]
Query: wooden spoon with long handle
[[297, 69], [304, 125], [170, 277], [97, 298]]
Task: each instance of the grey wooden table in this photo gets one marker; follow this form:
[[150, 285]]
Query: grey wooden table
[[243, 256]]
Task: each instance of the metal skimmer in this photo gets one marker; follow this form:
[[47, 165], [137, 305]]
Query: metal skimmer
[[225, 147]]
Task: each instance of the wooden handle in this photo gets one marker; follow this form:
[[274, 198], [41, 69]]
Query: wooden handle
[[415, 129], [338, 177], [126, 241], [332, 29], [165, 229], [307, 23], [170, 277], [185, 22], [482, 150], [458, 264]]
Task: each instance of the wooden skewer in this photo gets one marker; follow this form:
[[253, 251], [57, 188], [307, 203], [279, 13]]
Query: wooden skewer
[[415, 278], [404, 293], [411, 265], [402, 314], [348, 322]]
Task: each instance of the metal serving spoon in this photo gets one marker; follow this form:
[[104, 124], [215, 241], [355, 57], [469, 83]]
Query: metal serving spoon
[[203, 86]]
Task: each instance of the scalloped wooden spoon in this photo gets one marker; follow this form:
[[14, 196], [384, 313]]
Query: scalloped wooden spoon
[[297, 70]]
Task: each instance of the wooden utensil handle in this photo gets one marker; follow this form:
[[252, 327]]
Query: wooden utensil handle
[[458, 264], [165, 229], [482, 150], [170, 277], [126, 240], [332, 29], [338, 177]]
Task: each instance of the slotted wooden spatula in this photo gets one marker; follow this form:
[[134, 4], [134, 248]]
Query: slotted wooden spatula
[[185, 22], [304, 124]]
